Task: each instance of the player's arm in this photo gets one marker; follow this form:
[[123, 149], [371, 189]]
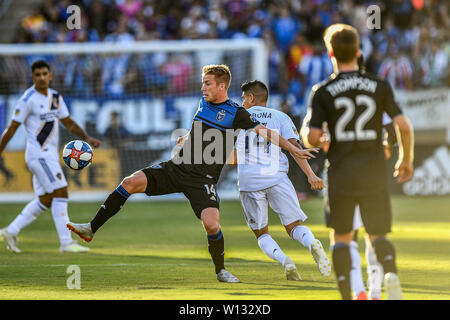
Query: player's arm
[[232, 158], [405, 136], [273, 137], [315, 182], [74, 128], [7, 135]]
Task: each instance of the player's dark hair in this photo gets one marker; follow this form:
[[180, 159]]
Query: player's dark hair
[[343, 41], [257, 88], [39, 64]]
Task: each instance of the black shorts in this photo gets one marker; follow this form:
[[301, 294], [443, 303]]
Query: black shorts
[[166, 178], [375, 209]]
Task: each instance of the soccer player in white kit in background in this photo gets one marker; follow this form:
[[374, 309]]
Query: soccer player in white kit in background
[[263, 180], [40, 109]]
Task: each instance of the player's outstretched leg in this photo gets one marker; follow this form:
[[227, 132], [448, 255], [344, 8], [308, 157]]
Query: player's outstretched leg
[[386, 256], [216, 244], [342, 263], [136, 183], [271, 248], [31, 211], [374, 273], [304, 235], [356, 278]]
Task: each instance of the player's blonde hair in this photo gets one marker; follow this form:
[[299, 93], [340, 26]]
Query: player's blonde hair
[[221, 72], [343, 41]]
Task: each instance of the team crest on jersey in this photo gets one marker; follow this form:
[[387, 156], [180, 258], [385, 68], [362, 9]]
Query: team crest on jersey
[[59, 175], [17, 112], [220, 115]]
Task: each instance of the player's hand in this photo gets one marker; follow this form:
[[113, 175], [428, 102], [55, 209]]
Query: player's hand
[[305, 154], [404, 171], [93, 142], [316, 183]]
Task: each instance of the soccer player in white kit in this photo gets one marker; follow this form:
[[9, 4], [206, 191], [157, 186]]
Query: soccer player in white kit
[[263, 181], [40, 109]]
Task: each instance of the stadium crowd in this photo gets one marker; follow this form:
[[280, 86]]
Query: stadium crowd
[[411, 49]]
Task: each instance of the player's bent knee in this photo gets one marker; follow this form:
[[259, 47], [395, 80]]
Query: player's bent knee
[[136, 183], [46, 200], [210, 220]]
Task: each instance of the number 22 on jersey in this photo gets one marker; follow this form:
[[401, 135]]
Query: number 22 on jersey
[[359, 133]]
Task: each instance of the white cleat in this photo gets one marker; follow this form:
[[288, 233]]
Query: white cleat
[[73, 247], [83, 230], [225, 276], [291, 270], [10, 240], [392, 286], [321, 258]]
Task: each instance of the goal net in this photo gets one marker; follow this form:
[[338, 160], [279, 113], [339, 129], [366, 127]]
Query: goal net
[[132, 96]]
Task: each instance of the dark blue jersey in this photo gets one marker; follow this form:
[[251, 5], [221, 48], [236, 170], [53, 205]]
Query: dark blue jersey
[[212, 136]]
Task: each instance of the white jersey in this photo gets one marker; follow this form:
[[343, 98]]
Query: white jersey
[[261, 164], [40, 115]]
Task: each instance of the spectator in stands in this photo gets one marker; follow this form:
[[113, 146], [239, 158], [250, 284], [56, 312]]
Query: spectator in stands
[[315, 67], [396, 68], [115, 67], [285, 27], [178, 69], [116, 135]]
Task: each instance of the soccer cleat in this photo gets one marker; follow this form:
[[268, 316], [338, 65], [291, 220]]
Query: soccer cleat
[[361, 296], [291, 270], [73, 247], [392, 286], [321, 258], [83, 230], [10, 240], [225, 276]]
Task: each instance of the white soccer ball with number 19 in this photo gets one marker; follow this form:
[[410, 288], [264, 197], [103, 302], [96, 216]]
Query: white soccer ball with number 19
[[77, 154]]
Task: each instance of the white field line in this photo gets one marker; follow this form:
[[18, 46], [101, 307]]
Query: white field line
[[117, 265]]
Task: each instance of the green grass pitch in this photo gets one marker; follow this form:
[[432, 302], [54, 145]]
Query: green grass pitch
[[157, 250]]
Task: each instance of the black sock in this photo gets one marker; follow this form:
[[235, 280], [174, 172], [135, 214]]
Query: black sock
[[110, 207], [216, 247], [342, 264], [385, 254]]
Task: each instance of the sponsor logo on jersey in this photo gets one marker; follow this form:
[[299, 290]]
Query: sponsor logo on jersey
[[17, 112], [432, 177], [156, 166], [59, 175], [220, 115]]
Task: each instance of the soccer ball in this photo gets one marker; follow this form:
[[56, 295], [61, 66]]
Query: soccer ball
[[77, 154]]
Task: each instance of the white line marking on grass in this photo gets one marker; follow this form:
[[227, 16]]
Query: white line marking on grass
[[120, 265]]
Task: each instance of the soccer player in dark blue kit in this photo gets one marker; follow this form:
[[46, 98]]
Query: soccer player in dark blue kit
[[196, 167]]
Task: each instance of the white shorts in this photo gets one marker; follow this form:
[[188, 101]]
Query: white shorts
[[282, 198], [47, 175]]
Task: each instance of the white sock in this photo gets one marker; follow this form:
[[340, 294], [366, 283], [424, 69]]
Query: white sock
[[375, 273], [31, 211], [303, 235], [271, 248], [356, 278], [60, 217]]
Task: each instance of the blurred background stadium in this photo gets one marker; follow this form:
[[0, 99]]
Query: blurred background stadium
[[130, 75]]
